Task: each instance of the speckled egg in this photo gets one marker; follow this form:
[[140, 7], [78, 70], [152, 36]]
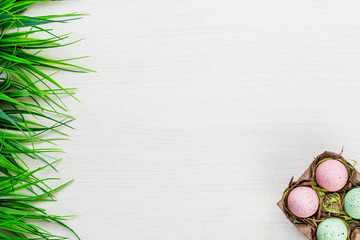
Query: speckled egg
[[332, 229], [332, 175], [303, 202], [352, 203]]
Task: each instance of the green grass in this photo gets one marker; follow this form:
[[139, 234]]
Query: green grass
[[31, 107]]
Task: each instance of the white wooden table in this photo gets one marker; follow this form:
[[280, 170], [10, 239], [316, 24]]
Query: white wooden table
[[201, 111]]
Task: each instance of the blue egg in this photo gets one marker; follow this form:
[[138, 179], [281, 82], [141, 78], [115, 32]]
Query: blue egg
[[352, 203], [332, 229]]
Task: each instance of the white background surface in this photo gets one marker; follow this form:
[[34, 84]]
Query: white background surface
[[201, 111]]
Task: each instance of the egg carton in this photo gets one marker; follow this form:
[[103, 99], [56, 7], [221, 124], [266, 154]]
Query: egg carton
[[308, 226]]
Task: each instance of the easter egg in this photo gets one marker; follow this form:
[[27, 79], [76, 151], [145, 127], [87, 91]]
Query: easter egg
[[303, 202], [332, 175], [352, 203], [332, 229]]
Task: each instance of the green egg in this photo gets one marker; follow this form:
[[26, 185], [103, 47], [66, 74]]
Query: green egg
[[332, 229], [352, 203]]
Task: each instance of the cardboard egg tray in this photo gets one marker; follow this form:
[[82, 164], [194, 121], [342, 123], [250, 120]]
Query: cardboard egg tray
[[308, 225]]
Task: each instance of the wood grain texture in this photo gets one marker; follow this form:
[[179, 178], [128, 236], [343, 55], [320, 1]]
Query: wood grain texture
[[202, 110]]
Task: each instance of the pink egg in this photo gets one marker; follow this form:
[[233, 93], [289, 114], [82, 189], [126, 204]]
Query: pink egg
[[303, 202], [332, 175]]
